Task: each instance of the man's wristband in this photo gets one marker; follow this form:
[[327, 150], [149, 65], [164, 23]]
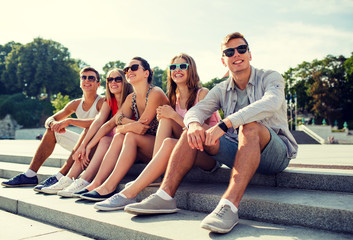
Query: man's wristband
[[49, 123], [222, 126]]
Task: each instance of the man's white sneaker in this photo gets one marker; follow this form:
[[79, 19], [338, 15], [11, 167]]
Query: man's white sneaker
[[54, 189], [221, 220], [76, 186]]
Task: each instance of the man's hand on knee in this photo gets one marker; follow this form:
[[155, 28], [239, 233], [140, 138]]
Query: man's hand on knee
[[196, 136]]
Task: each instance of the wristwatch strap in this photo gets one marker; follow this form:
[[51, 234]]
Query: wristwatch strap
[[222, 126]]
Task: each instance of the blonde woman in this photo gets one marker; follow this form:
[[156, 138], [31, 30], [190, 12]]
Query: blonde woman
[[117, 89]]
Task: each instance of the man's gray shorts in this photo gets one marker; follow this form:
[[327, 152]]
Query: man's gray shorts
[[273, 157]]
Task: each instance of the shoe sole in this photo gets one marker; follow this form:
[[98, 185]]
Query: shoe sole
[[51, 192], [76, 195], [138, 211], [101, 208], [92, 199], [19, 185], [216, 229], [38, 190], [65, 194]]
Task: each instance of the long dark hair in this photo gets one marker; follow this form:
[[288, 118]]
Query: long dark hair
[[145, 66]]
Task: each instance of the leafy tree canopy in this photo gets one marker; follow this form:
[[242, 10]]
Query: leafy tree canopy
[[40, 68]]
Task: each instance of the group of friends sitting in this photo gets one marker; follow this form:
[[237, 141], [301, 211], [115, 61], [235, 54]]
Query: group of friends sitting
[[137, 122]]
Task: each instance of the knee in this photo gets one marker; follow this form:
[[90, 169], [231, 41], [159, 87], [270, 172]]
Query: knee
[[165, 121], [118, 137], [249, 132], [105, 140], [129, 137], [169, 142]]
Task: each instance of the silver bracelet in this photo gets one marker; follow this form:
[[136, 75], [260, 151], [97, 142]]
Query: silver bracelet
[[120, 119]]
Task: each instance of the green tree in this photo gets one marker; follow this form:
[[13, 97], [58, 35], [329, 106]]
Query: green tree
[[41, 68], [8, 65], [348, 95], [60, 102], [160, 78], [26, 111], [321, 87], [213, 82], [4, 51]]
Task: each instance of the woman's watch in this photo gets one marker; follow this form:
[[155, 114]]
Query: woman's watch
[[222, 126]]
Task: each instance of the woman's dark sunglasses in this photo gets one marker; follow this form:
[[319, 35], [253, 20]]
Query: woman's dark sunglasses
[[229, 52], [90, 78], [116, 79], [182, 66], [133, 68]]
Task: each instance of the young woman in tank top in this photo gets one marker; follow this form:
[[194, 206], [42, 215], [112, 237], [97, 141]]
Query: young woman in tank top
[[184, 91], [117, 89], [136, 126]]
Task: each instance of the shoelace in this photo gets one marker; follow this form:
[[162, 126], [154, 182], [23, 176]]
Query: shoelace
[[222, 211], [50, 181], [76, 185], [149, 197]]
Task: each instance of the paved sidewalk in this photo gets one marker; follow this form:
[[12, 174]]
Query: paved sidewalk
[[327, 155], [18, 227]]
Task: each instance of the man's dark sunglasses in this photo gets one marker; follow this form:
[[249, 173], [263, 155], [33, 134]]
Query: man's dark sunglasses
[[133, 68], [90, 78], [229, 52], [116, 79]]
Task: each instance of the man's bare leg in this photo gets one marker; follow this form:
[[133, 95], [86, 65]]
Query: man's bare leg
[[45, 149], [180, 162], [253, 137]]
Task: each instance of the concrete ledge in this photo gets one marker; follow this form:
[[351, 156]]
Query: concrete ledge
[[8, 170], [80, 216], [316, 209], [50, 162], [302, 178], [317, 179]]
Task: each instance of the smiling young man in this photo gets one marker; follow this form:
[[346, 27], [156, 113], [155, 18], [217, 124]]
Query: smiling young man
[[253, 136], [86, 108]]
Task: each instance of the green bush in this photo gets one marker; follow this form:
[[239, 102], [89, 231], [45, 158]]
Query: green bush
[[26, 111], [60, 102]]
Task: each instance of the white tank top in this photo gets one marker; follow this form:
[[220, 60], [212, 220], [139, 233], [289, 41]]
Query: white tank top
[[91, 113]]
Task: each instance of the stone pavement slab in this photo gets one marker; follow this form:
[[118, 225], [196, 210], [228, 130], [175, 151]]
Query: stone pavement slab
[[80, 216], [17, 227]]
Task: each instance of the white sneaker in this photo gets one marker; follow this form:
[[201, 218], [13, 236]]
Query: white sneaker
[[76, 186], [54, 189]]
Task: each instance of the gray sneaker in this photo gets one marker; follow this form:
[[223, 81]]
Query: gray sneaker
[[115, 202], [152, 205], [221, 220]]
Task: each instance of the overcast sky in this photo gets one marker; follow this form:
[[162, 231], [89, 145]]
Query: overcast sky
[[281, 34]]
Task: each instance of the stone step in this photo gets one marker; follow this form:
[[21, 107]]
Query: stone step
[[340, 180], [326, 210], [79, 216]]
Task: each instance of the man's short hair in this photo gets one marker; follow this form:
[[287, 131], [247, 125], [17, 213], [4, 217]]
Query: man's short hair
[[233, 36], [87, 69]]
